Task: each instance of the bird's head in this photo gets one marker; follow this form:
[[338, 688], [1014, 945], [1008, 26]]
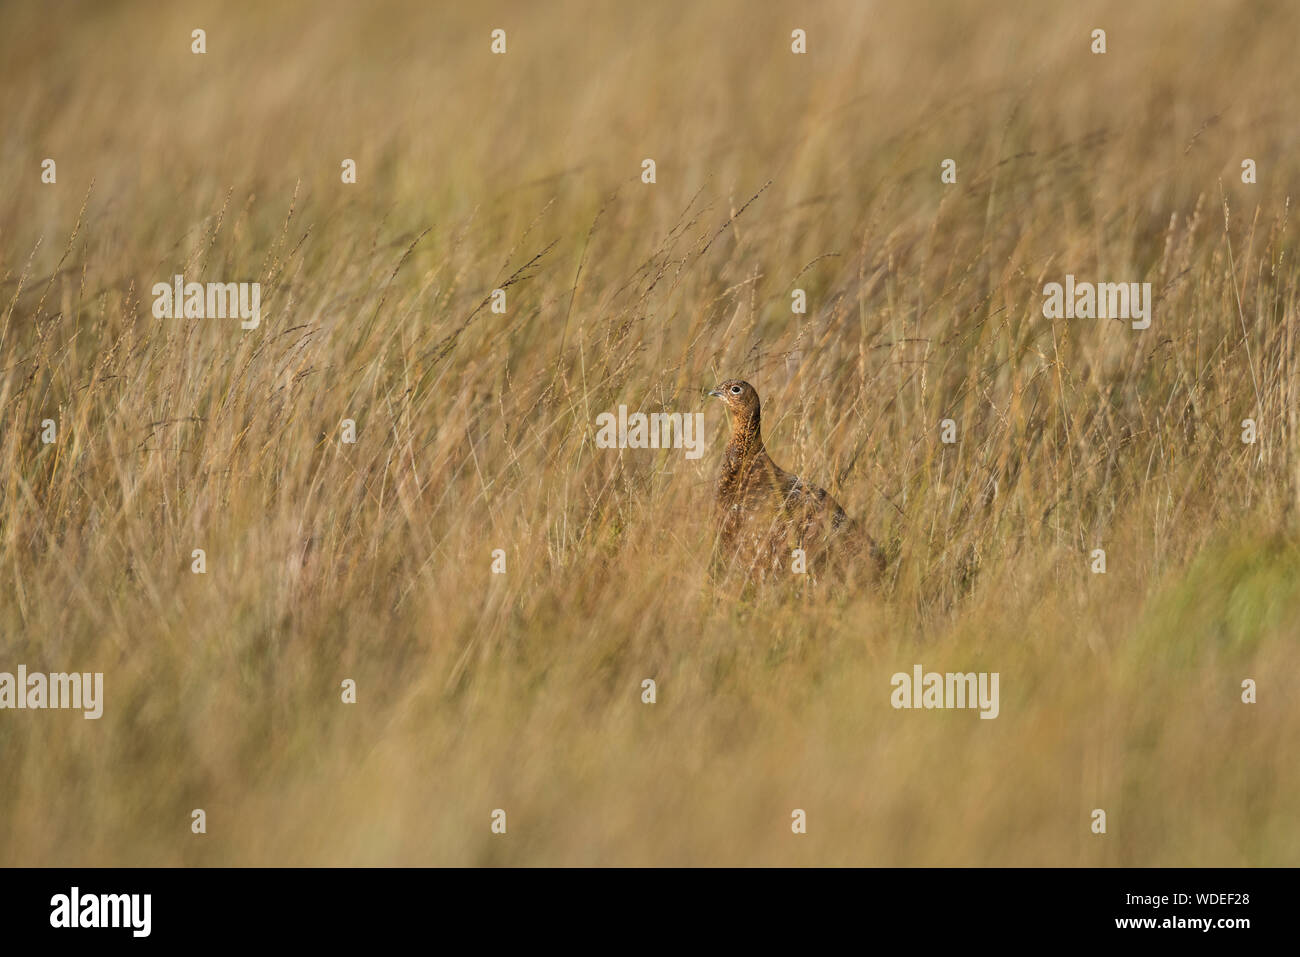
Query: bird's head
[[739, 397]]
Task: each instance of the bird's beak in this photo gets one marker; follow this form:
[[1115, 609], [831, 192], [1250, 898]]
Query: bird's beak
[[716, 393]]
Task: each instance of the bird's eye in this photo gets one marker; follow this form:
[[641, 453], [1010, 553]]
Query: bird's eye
[[735, 390]]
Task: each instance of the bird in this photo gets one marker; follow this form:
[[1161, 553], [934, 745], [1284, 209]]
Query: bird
[[765, 512]]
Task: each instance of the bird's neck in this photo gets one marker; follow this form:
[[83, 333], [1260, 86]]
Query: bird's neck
[[746, 441]]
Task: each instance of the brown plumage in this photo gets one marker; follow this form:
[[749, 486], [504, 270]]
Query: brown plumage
[[764, 512]]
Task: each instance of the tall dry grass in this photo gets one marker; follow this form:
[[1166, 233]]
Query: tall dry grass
[[372, 561]]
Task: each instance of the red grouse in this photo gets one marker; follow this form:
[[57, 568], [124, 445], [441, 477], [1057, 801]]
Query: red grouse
[[764, 512]]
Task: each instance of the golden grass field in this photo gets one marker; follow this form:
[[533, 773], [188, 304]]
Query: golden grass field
[[522, 691]]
